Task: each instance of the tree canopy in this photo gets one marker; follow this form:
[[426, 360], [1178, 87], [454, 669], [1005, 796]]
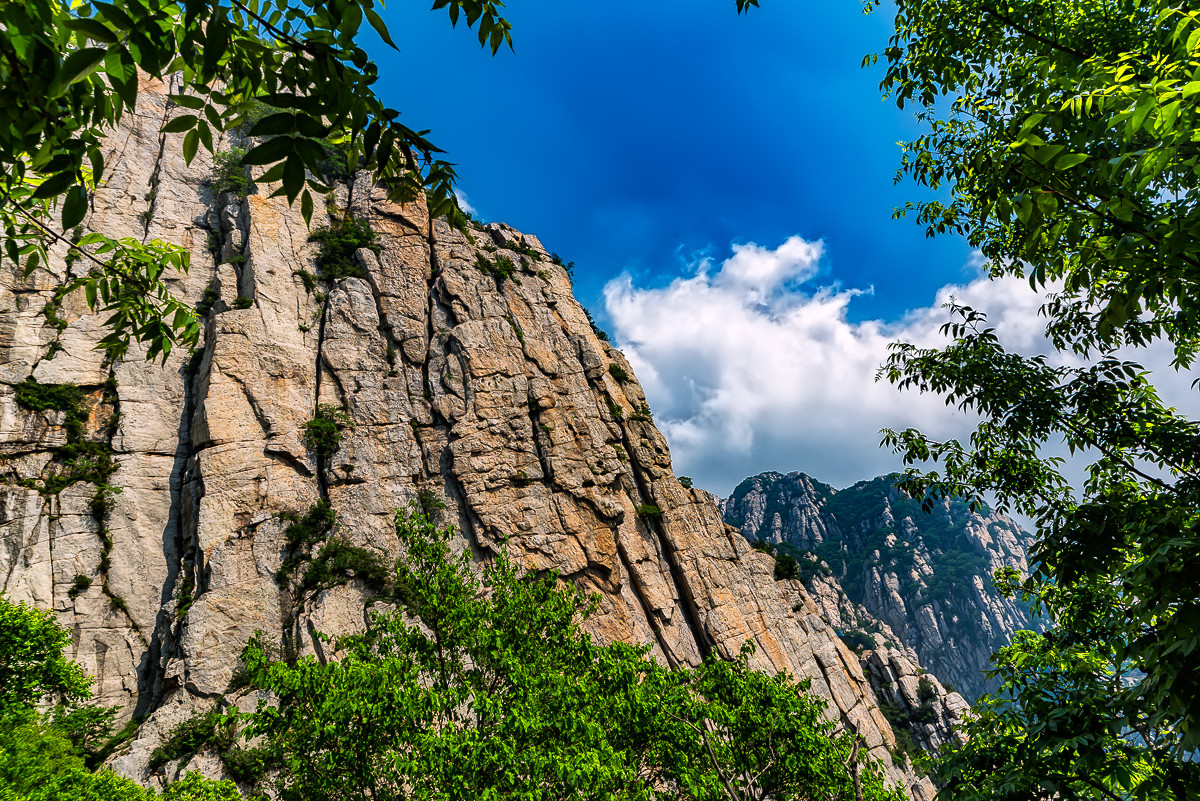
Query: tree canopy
[[51, 736], [1066, 137], [70, 71], [488, 687]]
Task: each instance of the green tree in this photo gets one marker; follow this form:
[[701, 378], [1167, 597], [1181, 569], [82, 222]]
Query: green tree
[[1064, 135], [70, 71], [44, 754], [487, 687], [33, 668]]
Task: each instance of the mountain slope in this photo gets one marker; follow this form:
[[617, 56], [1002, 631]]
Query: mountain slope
[[926, 577]]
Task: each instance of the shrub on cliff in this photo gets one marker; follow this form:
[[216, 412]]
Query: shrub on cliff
[[487, 686]]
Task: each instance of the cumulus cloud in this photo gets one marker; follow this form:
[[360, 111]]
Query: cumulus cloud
[[747, 368]]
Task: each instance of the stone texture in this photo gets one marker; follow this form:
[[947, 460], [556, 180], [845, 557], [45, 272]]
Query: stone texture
[[494, 396]]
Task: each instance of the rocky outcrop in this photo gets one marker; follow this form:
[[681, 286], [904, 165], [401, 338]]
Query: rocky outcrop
[[452, 379], [890, 576]]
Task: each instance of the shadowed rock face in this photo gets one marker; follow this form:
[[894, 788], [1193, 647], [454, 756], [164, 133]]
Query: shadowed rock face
[[875, 562], [491, 395]]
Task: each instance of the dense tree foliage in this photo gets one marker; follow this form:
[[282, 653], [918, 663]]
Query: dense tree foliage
[[289, 75], [50, 736], [1066, 136], [487, 687]]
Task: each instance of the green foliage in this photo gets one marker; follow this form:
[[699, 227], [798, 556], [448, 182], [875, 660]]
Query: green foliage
[[486, 686], [207, 300], [190, 736], [685, 482], [335, 166], [229, 175], [242, 302], [428, 503], [500, 267], [66, 398], [32, 665], [247, 765], [79, 461], [597, 330], [323, 434], [338, 243], [786, 567], [38, 762], [619, 373], [338, 562], [857, 640], [569, 266], [50, 312], [524, 249], [186, 593], [195, 787], [311, 527], [80, 586], [308, 279], [614, 409], [517, 330], [49, 754], [71, 71], [1063, 133], [648, 510]]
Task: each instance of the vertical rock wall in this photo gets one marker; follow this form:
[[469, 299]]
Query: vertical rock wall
[[492, 395]]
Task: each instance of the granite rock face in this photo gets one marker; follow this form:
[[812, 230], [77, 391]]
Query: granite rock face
[[491, 394], [880, 568]]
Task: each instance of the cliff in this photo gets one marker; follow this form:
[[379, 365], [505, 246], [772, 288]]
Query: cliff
[[881, 568], [451, 380]]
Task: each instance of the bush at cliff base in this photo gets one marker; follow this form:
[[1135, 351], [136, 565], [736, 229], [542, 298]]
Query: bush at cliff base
[[50, 735]]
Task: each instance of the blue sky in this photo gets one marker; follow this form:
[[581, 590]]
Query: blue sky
[[630, 136], [724, 184]]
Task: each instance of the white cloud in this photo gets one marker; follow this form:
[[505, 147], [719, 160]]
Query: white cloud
[[463, 203], [747, 372]]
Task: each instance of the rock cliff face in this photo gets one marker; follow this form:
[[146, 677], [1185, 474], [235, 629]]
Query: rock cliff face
[[880, 568], [491, 394]]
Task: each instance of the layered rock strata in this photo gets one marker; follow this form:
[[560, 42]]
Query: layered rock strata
[[451, 382], [880, 568]]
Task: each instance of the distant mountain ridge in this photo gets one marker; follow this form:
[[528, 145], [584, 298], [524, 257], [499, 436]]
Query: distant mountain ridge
[[880, 567]]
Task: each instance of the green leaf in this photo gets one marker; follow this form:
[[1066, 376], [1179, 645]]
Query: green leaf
[[187, 101], [293, 176], [380, 28], [91, 28], [115, 15], [55, 185], [306, 207], [1069, 160], [96, 158], [274, 124], [74, 207], [184, 122], [191, 142], [214, 118], [269, 151], [351, 19], [79, 65], [1140, 112], [205, 135]]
